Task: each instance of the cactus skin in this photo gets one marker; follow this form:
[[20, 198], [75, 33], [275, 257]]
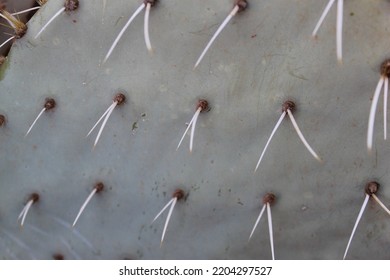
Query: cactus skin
[[257, 62]]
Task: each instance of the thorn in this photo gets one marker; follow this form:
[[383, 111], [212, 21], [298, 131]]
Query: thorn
[[220, 28], [177, 195], [18, 26], [118, 100], [356, 223], [140, 8], [380, 203], [24, 211], [195, 118], [339, 26], [268, 199], [104, 122], [83, 206], [257, 221], [146, 28], [167, 220], [201, 107], [5, 15], [310, 149], [188, 127], [34, 197], [324, 13], [287, 108], [50, 103], [371, 119], [385, 97], [99, 120], [162, 210], [98, 188], [32, 125], [270, 138], [69, 6], [271, 235], [60, 11], [26, 11], [339, 34], [6, 41]]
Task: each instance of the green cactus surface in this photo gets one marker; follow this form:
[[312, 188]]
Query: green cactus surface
[[263, 57]]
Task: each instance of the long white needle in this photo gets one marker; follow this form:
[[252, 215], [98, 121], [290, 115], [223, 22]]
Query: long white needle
[[104, 122], [6, 41], [162, 210], [339, 33], [381, 204], [188, 127], [270, 138], [193, 127], [7, 19], [356, 223], [84, 205], [271, 235], [325, 12], [301, 135], [26, 11], [385, 97], [146, 28], [24, 212], [257, 221], [220, 28], [174, 200], [105, 113], [371, 119], [50, 20], [123, 31], [39, 115]]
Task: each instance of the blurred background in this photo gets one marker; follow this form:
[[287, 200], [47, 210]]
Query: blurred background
[[15, 6]]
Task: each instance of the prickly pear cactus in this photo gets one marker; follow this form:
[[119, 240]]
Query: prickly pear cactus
[[263, 57]]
